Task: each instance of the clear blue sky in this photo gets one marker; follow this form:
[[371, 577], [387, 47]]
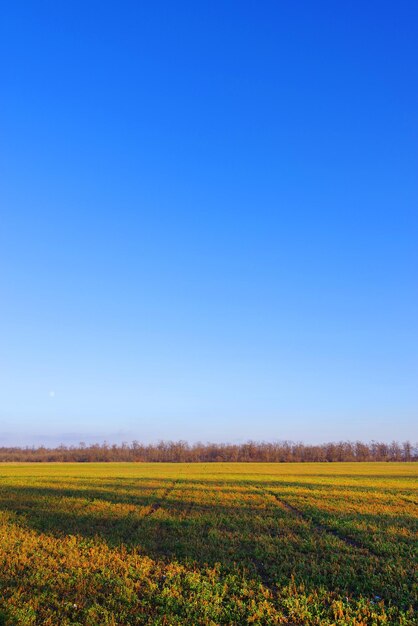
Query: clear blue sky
[[209, 221]]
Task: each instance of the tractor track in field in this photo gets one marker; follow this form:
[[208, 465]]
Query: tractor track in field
[[322, 528], [159, 503]]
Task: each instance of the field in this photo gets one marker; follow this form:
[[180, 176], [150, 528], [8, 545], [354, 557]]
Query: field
[[107, 544]]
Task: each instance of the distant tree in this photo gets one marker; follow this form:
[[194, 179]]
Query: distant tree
[[251, 451]]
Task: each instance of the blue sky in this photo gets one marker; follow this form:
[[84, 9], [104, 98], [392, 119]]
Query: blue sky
[[208, 221]]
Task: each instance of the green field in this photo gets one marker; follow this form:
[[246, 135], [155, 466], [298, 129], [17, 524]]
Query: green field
[[101, 544]]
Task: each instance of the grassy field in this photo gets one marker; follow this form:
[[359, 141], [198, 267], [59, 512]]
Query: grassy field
[[107, 544]]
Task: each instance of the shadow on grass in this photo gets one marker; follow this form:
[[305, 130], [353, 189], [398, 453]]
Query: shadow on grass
[[265, 541], [6, 620]]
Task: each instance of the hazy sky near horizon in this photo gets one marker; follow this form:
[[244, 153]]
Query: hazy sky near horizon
[[208, 221]]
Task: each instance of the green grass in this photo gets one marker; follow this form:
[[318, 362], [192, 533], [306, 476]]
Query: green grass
[[107, 544]]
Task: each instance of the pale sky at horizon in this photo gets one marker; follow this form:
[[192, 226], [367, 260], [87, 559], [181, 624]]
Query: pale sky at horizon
[[208, 222]]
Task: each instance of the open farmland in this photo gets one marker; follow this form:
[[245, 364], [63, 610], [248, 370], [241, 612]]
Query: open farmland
[[107, 544]]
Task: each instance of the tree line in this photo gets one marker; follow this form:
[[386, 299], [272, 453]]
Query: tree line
[[183, 452]]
